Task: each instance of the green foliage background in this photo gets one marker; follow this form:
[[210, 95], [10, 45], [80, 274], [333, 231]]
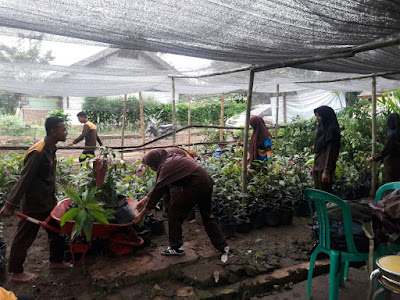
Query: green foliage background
[[106, 113]]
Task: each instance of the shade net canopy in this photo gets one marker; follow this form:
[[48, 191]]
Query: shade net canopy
[[123, 42]]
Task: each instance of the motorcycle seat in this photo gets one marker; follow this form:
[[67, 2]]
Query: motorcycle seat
[[166, 126]]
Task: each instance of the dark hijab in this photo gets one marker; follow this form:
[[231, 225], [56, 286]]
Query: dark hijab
[[260, 134], [393, 126], [328, 130], [154, 158], [170, 166]]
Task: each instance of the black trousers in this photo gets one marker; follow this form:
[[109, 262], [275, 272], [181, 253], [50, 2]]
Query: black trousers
[[26, 235], [182, 200]]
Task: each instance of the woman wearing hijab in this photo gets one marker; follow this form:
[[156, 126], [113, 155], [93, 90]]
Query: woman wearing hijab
[[326, 148], [260, 142], [390, 154], [187, 184]]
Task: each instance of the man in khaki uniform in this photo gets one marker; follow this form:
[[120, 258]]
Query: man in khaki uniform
[[34, 192], [89, 133]]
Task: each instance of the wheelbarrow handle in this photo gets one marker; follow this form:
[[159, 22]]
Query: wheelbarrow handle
[[38, 222]]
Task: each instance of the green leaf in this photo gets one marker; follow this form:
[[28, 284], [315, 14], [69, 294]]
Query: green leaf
[[88, 229], [80, 219], [309, 162], [70, 193], [69, 215], [75, 232], [99, 217], [90, 198], [93, 206]]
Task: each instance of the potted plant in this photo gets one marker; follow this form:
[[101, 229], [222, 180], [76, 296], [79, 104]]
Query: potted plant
[[243, 224], [84, 211]]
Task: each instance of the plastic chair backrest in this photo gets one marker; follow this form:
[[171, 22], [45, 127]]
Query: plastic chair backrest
[[386, 187], [320, 199]]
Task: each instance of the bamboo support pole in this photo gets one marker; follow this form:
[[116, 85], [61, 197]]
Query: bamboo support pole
[[123, 124], [189, 116], [246, 136], [373, 166], [221, 122], [284, 107], [142, 126], [173, 110], [277, 116]]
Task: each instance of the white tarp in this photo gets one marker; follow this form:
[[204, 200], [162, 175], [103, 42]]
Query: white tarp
[[304, 102]]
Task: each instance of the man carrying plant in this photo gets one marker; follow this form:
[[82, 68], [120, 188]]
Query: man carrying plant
[[34, 192], [89, 133]]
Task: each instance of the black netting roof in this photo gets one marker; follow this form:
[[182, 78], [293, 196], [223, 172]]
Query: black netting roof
[[232, 33]]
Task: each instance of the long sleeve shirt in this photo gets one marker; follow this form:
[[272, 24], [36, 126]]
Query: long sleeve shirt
[[326, 160], [35, 189], [391, 148], [89, 133], [177, 172]]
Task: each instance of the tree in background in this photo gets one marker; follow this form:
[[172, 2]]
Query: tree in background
[[28, 49], [8, 103], [59, 113]]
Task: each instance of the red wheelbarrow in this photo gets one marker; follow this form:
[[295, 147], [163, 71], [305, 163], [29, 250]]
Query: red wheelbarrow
[[122, 237]]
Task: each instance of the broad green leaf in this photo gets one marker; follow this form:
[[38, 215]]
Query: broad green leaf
[[75, 232], [88, 229], [90, 198], [92, 206], [70, 193], [69, 215], [80, 219], [99, 217], [311, 161]]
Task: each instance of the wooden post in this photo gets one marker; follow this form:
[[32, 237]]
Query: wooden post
[[246, 136], [123, 125], [221, 122], [277, 116], [173, 109], [142, 118], [284, 107], [189, 112], [373, 129]]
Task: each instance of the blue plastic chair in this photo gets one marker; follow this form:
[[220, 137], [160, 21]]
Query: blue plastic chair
[[339, 259]]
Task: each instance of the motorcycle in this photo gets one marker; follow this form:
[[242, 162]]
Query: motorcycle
[[158, 130]]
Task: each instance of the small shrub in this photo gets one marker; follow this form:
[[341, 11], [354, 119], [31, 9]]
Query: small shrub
[[11, 125]]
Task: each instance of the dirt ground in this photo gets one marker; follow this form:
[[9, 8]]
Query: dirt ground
[[270, 247], [196, 136]]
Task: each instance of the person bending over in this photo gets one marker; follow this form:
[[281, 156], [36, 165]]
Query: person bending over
[[187, 184]]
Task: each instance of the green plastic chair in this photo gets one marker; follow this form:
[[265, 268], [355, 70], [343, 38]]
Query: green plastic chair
[[386, 249], [386, 187], [339, 259]]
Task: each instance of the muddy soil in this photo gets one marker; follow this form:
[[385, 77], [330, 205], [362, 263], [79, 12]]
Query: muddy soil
[[267, 248]]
